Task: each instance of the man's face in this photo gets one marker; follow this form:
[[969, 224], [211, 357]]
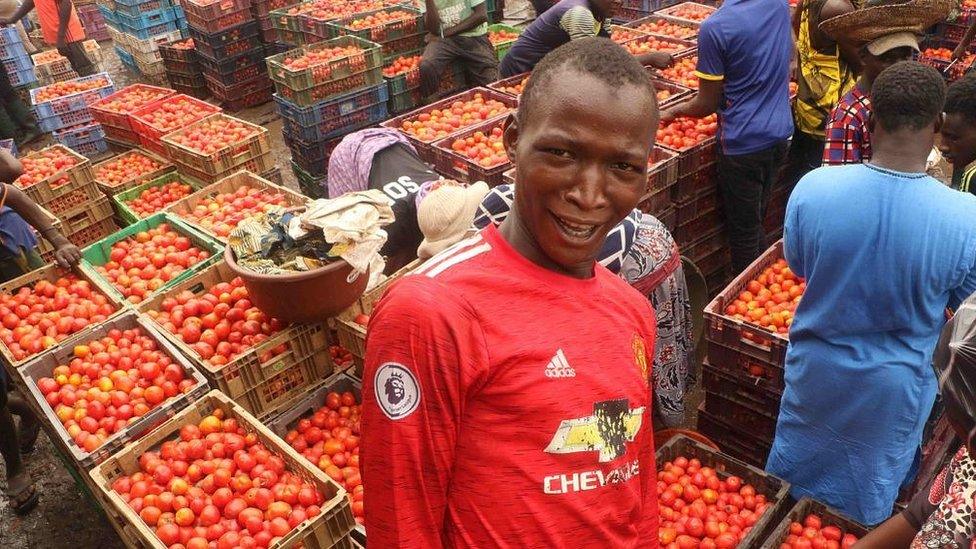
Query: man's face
[[581, 160], [874, 64], [957, 140]]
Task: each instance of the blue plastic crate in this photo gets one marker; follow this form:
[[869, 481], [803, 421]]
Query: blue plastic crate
[[66, 120], [11, 51], [17, 63], [110, 16], [332, 108], [22, 77], [148, 19], [79, 135], [9, 36], [143, 7], [334, 127], [75, 101], [10, 145], [149, 32], [92, 148]]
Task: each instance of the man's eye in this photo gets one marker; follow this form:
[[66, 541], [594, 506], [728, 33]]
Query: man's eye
[[559, 152], [623, 166]]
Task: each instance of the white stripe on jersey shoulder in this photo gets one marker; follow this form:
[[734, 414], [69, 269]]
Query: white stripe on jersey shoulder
[[459, 257], [448, 253]]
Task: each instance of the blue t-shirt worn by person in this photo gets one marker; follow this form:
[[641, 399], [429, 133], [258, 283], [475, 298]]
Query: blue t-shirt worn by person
[[883, 254], [748, 45]]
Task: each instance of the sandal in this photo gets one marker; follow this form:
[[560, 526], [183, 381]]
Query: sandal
[[28, 436], [22, 500]]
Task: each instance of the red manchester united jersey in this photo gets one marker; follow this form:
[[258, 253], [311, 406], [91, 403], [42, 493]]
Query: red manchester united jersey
[[505, 405]]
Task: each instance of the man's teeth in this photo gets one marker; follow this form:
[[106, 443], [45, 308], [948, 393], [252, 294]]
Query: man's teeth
[[577, 230]]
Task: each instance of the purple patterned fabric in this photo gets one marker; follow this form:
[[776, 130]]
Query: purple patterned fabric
[[352, 159]]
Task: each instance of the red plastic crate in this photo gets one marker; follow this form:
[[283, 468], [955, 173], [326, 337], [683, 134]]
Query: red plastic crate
[[149, 135]]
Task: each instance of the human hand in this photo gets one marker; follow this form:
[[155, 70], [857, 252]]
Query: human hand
[[430, 38], [68, 255], [6, 21], [667, 115]]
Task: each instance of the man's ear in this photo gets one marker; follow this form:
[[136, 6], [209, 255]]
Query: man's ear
[[871, 124], [510, 136]]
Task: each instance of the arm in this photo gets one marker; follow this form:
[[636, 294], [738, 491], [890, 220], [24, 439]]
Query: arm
[[421, 331], [432, 19], [842, 144], [478, 16], [578, 22], [23, 10], [964, 290], [656, 59], [893, 533], [64, 15], [960, 50], [705, 103]]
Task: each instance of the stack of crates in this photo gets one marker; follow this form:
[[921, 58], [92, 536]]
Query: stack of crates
[[92, 19], [70, 193], [15, 60], [230, 51], [251, 153], [57, 109], [86, 139], [50, 67], [182, 64], [402, 76], [115, 112], [151, 122], [138, 27], [322, 103], [399, 30], [261, 10]]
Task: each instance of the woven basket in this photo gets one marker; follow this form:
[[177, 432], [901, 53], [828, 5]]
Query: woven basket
[[864, 25]]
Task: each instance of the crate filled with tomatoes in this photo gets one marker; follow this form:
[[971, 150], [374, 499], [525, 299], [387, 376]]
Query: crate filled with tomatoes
[[151, 197], [257, 360], [270, 492], [114, 112], [155, 120], [513, 85], [690, 12], [659, 25], [812, 524], [217, 144], [747, 324], [693, 139], [733, 439], [108, 385], [323, 426], [734, 503], [128, 170], [476, 154], [319, 71]]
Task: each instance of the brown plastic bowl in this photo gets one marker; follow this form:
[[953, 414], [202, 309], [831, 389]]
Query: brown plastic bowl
[[302, 298]]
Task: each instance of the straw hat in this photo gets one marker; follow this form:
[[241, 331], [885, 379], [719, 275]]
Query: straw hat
[[445, 215], [868, 24]]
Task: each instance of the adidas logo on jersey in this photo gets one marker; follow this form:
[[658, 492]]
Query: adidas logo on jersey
[[559, 367]]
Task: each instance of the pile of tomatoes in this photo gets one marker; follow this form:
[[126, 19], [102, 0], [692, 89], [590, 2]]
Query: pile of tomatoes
[[683, 72], [153, 199], [329, 438], [111, 382], [314, 57], [141, 264], [812, 534], [220, 324], [61, 89], [402, 65], [515, 89], [132, 98], [437, 123], [330, 10], [700, 510], [484, 148], [124, 168], [769, 300], [650, 44], [501, 37], [175, 112], [222, 212], [42, 164], [684, 132], [341, 356], [380, 18], [36, 318], [663, 27], [214, 133], [217, 486], [691, 12], [186, 44], [623, 34]]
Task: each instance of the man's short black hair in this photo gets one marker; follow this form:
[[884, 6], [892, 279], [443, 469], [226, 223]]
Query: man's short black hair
[[907, 95], [961, 98], [599, 57]]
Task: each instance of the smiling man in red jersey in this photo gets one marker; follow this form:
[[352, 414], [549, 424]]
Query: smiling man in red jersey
[[505, 396]]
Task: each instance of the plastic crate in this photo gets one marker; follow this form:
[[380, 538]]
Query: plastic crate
[[170, 51], [236, 78], [291, 382], [121, 118], [63, 354], [152, 43], [424, 147], [310, 185], [60, 121], [754, 417], [97, 254], [774, 488], [828, 515], [623, 14], [164, 166], [18, 63], [352, 335], [704, 245], [259, 164], [186, 69], [329, 529], [198, 92], [257, 363], [508, 85], [411, 23], [450, 163], [662, 169], [703, 223], [656, 202], [184, 206], [404, 101], [409, 80], [676, 93], [147, 19], [48, 189], [257, 144], [289, 38], [763, 347], [74, 101], [227, 43], [675, 46], [408, 45], [120, 199], [85, 216], [50, 273], [79, 135], [733, 441], [144, 6], [10, 145], [244, 95], [329, 119], [694, 206], [120, 136], [92, 149], [329, 90], [230, 65], [187, 82], [670, 11], [220, 23], [501, 48], [149, 135], [313, 157], [22, 77], [329, 72], [690, 34], [693, 184]]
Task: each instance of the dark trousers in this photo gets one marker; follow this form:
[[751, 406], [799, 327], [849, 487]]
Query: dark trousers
[[474, 52], [745, 182], [76, 55], [15, 116], [806, 155]]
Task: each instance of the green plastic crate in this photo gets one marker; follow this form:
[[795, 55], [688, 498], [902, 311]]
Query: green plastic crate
[[502, 49], [97, 254], [309, 184], [119, 199]]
